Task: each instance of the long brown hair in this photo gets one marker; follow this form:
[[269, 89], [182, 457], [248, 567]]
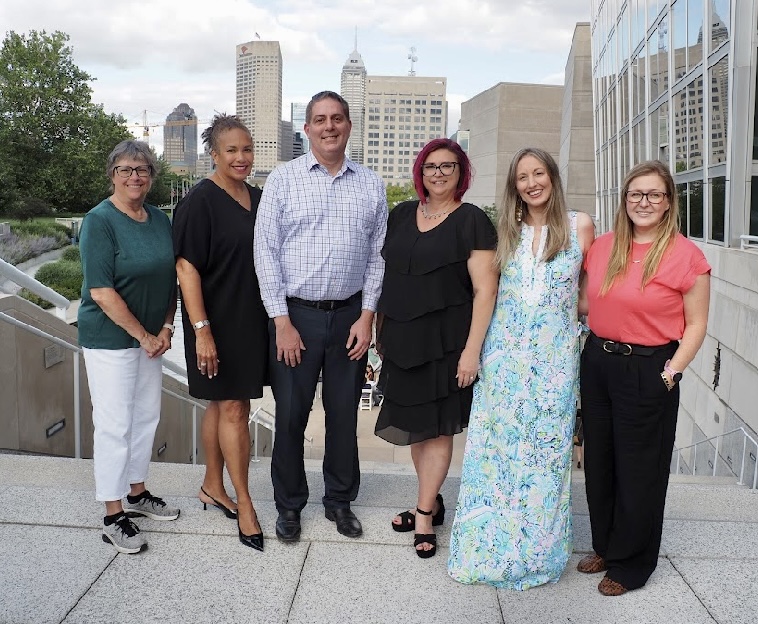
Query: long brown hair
[[623, 228], [509, 228]]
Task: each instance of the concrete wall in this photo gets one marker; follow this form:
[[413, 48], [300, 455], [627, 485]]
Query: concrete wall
[[502, 120], [34, 397], [720, 388], [577, 150]]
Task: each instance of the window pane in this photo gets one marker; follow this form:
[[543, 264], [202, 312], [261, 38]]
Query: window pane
[[624, 34], [663, 133], [652, 45], [694, 32], [638, 84], [696, 209], [754, 207], [719, 106], [696, 127], [680, 130], [720, 24], [718, 196], [679, 37], [681, 191], [652, 11]]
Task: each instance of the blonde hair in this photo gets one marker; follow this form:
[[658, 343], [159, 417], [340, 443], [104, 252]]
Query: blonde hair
[[509, 228], [623, 228]]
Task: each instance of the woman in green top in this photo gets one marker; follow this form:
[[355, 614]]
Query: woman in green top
[[128, 303]]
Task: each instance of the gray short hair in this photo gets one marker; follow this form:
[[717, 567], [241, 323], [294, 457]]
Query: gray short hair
[[135, 150]]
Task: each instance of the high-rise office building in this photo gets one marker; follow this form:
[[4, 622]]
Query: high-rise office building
[[259, 100], [675, 80], [353, 89], [297, 115], [180, 138], [403, 113]]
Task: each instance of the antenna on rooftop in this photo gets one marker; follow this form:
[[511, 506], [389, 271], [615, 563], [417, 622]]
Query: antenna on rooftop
[[355, 47], [412, 58]]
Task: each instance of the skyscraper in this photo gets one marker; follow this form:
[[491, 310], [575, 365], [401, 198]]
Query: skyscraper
[[259, 100], [180, 138], [403, 113], [297, 115], [353, 89]]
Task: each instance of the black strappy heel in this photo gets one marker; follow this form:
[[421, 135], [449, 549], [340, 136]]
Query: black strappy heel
[[408, 520], [425, 538], [229, 513]]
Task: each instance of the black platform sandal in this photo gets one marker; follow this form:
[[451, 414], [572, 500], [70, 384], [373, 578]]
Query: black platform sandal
[[408, 519], [425, 538]]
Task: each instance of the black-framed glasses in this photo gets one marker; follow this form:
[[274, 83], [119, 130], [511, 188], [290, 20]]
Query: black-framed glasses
[[446, 169], [125, 171], [653, 197]]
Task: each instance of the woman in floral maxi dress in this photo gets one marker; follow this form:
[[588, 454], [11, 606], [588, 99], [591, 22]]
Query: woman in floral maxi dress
[[512, 526]]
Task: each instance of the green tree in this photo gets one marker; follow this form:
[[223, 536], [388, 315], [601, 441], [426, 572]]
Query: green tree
[[53, 140], [397, 193]]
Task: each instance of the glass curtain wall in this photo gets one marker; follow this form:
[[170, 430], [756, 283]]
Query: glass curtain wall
[[661, 81]]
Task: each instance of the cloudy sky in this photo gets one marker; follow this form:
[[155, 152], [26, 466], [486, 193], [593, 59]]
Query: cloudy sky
[[153, 54]]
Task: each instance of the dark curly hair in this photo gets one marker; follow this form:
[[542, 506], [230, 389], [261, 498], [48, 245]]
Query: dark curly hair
[[221, 122]]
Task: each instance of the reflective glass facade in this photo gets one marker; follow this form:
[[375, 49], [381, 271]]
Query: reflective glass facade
[[668, 78]]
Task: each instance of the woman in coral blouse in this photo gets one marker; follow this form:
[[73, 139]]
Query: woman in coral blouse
[[647, 288]]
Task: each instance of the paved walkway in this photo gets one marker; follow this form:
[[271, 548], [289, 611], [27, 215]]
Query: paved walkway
[[55, 568]]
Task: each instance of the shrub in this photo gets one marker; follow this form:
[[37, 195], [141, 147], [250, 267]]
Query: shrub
[[71, 254], [42, 228], [64, 276], [30, 296], [15, 250], [29, 208]]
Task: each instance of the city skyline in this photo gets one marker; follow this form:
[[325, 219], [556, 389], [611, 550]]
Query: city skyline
[[141, 65]]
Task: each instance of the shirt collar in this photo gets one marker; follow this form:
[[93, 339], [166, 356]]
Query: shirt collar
[[311, 162]]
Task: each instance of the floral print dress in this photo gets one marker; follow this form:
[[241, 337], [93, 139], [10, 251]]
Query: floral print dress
[[512, 526]]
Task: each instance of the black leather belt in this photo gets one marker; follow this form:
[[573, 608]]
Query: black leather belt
[[327, 304], [624, 348]]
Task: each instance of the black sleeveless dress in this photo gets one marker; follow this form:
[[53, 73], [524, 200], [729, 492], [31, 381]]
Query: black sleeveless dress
[[215, 234], [426, 300]]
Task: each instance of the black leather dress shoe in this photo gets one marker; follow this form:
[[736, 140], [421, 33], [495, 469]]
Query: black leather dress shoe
[[347, 524], [288, 525]]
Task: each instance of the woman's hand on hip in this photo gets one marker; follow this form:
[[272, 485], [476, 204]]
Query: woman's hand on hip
[[207, 355], [468, 368]]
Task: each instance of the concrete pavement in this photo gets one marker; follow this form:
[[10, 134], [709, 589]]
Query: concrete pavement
[[55, 568]]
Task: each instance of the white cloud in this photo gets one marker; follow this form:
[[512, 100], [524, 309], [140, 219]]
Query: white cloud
[[152, 55]]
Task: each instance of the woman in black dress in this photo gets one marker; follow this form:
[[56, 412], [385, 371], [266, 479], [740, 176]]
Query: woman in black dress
[[225, 324], [438, 294]]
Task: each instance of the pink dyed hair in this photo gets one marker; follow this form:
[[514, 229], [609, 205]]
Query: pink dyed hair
[[464, 181]]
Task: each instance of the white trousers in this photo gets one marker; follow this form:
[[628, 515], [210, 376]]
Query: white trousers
[[125, 387]]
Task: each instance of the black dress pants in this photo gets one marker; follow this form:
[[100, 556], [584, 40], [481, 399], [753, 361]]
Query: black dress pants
[[324, 334], [629, 426]]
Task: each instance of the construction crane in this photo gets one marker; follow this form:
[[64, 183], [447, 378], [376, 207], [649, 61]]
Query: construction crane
[[146, 126]]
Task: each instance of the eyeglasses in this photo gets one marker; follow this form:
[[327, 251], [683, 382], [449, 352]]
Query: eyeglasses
[[446, 169], [653, 197], [126, 172]]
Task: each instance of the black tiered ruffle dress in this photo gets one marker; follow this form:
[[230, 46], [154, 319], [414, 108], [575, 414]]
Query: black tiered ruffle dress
[[427, 299]]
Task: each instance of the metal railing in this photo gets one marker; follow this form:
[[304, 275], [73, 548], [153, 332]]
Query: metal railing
[[748, 242], [718, 439], [38, 288], [257, 417]]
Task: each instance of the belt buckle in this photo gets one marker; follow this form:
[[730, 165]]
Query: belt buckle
[[616, 348]]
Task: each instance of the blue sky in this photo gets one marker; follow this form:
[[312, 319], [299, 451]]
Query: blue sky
[[153, 54]]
